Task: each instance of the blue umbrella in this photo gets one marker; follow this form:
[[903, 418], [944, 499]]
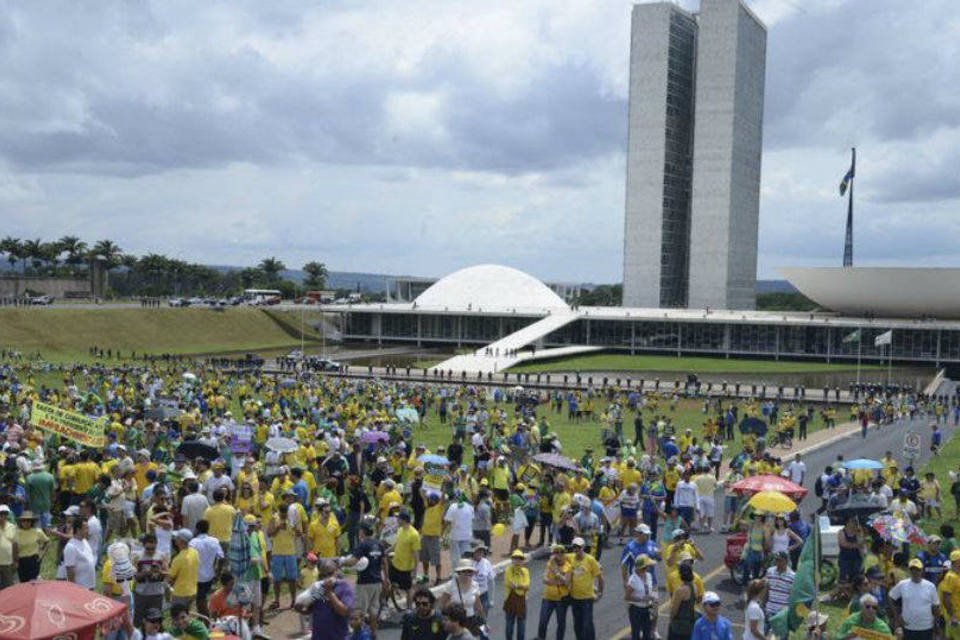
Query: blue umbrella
[[862, 463], [429, 458]]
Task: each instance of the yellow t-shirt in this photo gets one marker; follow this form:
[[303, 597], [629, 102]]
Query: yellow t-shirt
[[284, 541], [220, 517], [561, 500], [629, 476], [516, 579], [584, 573], [29, 540], [266, 506], [110, 587], [554, 592], [949, 588], [406, 549], [432, 520], [85, 476], [390, 496], [185, 570], [673, 581], [323, 537]]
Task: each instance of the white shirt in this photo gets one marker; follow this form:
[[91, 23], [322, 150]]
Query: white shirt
[[642, 591], [192, 509], [95, 534], [213, 484], [685, 494], [485, 576], [79, 555], [754, 612], [461, 521], [797, 470], [466, 597], [208, 549], [917, 599]]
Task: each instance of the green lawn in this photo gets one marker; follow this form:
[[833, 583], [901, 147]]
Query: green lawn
[[65, 335], [941, 466], [623, 362]]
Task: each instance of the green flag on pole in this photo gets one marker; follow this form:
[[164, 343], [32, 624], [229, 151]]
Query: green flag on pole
[[852, 337], [803, 595]]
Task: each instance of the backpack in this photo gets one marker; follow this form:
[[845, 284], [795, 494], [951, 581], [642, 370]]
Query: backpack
[[818, 487]]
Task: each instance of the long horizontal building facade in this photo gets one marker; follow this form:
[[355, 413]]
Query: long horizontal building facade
[[484, 305]]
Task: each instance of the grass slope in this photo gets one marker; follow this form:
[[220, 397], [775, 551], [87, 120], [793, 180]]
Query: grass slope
[[623, 362], [67, 334]]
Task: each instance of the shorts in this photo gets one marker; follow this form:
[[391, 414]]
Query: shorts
[[403, 579], [707, 506], [367, 598], [283, 568], [203, 590], [430, 550], [628, 514]]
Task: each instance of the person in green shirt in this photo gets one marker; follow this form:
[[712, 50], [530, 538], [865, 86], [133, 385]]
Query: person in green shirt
[[183, 626], [40, 488], [866, 618]]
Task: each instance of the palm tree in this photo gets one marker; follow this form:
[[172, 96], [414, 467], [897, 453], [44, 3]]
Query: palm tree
[[32, 250], [75, 248], [13, 248], [316, 275], [271, 268], [109, 250]]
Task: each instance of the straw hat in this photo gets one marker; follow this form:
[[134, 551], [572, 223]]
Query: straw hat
[[27, 515], [465, 565]]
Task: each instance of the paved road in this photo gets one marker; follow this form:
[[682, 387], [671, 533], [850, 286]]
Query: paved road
[[610, 616]]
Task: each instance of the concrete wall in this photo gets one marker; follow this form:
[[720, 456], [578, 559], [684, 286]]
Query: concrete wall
[[15, 286], [731, 63], [643, 215]]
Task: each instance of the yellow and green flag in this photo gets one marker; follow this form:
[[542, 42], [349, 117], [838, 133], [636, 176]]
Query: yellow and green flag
[[69, 424]]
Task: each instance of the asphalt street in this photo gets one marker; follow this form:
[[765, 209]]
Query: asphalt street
[[610, 616]]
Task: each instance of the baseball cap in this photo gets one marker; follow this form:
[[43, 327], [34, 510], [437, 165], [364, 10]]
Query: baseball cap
[[578, 542], [4, 508], [642, 528], [250, 519], [559, 547], [183, 534], [711, 597], [955, 555], [915, 564], [72, 510], [934, 538]]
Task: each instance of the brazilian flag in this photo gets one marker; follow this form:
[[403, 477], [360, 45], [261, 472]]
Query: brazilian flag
[[846, 181], [804, 592]]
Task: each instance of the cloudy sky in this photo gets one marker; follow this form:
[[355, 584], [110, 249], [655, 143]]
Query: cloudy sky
[[421, 136]]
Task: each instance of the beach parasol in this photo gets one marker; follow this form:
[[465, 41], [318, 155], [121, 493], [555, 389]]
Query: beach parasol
[[407, 414], [894, 529], [772, 502], [374, 436], [282, 445], [431, 458], [193, 449], [556, 460], [862, 463], [190, 377], [753, 425], [756, 484], [45, 609]]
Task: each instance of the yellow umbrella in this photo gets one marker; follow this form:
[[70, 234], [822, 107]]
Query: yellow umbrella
[[772, 502]]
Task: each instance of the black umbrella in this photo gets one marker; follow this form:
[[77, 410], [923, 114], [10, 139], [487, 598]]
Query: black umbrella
[[856, 506], [753, 425], [193, 449]]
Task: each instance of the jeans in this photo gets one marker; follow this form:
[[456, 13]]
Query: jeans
[[457, 549], [519, 623], [547, 607], [752, 566], [583, 619], [639, 623]]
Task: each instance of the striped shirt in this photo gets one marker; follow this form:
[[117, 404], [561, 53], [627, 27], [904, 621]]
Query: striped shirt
[[778, 589]]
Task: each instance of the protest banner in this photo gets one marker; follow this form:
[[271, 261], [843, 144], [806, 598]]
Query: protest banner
[[69, 424]]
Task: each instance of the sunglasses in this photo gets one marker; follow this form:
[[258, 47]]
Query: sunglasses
[[868, 606], [712, 604], [423, 603]]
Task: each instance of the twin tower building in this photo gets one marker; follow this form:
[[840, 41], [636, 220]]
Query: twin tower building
[[693, 156]]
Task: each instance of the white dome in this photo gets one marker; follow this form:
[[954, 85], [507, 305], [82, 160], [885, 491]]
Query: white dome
[[489, 286]]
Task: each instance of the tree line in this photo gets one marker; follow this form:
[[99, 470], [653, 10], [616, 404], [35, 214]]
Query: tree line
[[153, 274]]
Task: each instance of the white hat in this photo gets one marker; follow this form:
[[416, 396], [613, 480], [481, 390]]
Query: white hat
[[578, 542], [72, 510], [642, 528], [4, 508], [710, 597]]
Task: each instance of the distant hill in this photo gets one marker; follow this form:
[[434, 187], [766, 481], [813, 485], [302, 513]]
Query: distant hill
[[775, 286]]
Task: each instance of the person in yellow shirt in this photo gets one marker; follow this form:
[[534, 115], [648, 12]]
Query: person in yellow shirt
[[430, 531], [586, 587], [561, 501], [405, 552], [323, 531], [516, 584], [283, 561], [86, 473], [247, 500], [389, 496], [556, 591], [949, 589], [220, 517], [140, 468], [673, 576], [184, 570]]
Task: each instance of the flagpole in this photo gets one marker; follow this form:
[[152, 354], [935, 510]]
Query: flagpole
[[848, 239], [859, 351]]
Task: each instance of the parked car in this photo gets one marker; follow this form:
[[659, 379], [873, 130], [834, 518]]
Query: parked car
[[42, 300], [178, 302]]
